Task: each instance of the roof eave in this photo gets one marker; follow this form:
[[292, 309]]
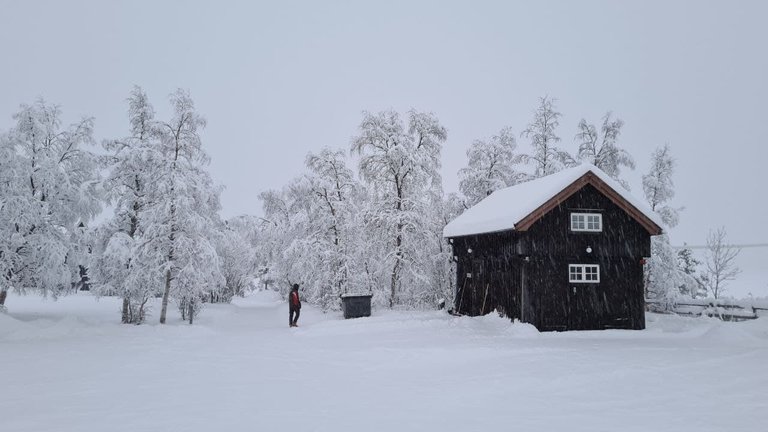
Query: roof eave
[[480, 233]]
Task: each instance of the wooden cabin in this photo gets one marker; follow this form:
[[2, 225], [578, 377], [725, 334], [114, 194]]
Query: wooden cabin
[[562, 252]]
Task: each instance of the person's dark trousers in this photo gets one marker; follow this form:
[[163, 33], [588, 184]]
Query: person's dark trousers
[[293, 316]]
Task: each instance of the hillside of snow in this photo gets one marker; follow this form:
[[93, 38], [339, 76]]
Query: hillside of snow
[[70, 366]]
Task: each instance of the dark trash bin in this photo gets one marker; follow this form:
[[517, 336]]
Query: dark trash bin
[[356, 305]]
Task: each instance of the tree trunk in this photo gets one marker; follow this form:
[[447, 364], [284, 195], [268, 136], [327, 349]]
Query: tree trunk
[[140, 320], [191, 311], [166, 293], [3, 296], [394, 283], [396, 268], [398, 243], [126, 311]]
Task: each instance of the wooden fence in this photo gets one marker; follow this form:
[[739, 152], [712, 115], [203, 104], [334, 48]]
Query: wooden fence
[[726, 310]]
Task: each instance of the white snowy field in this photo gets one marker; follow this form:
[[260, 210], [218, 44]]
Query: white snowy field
[[70, 366]]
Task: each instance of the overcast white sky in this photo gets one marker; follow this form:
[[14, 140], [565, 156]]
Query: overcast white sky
[[277, 80]]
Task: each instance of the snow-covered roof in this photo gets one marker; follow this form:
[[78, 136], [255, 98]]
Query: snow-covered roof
[[504, 209]]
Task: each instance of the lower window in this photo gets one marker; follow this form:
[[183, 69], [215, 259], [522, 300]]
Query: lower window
[[583, 273]]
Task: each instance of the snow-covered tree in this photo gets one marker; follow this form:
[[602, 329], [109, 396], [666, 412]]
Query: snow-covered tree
[[490, 166], [444, 275], [286, 245], [546, 157], [49, 188], [333, 234], [199, 278], [118, 267], [400, 163], [601, 148], [689, 265], [181, 216], [13, 202], [663, 277], [238, 259], [313, 232], [335, 192], [658, 186], [720, 262]]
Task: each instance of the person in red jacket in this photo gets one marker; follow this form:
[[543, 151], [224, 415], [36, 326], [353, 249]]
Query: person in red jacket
[[294, 306]]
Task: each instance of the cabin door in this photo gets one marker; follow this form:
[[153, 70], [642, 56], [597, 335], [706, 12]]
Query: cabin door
[[586, 307], [552, 307], [466, 289], [473, 288]]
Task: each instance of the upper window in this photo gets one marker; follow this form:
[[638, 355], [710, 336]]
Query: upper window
[[592, 222], [583, 273]]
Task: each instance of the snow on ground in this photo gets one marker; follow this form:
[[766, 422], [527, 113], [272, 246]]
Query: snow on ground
[[70, 366]]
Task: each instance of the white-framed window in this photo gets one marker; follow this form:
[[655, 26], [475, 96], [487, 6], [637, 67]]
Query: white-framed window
[[583, 273], [592, 222]]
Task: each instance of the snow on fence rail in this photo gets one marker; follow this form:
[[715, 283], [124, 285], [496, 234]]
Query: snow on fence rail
[[725, 309]]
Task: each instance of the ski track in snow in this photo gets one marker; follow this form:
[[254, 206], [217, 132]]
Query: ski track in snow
[[70, 366]]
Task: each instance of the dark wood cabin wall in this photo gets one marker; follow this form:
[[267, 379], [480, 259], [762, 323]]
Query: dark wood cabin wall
[[617, 300], [494, 269]]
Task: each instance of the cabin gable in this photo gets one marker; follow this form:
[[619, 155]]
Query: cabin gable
[[588, 179], [620, 235], [617, 250]]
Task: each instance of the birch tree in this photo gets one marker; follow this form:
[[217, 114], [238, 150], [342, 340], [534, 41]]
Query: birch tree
[[400, 163], [720, 263], [663, 277], [547, 158], [689, 265], [658, 186], [238, 258], [334, 189], [490, 167], [288, 242], [50, 186], [183, 212], [601, 148], [118, 267], [313, 232]]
